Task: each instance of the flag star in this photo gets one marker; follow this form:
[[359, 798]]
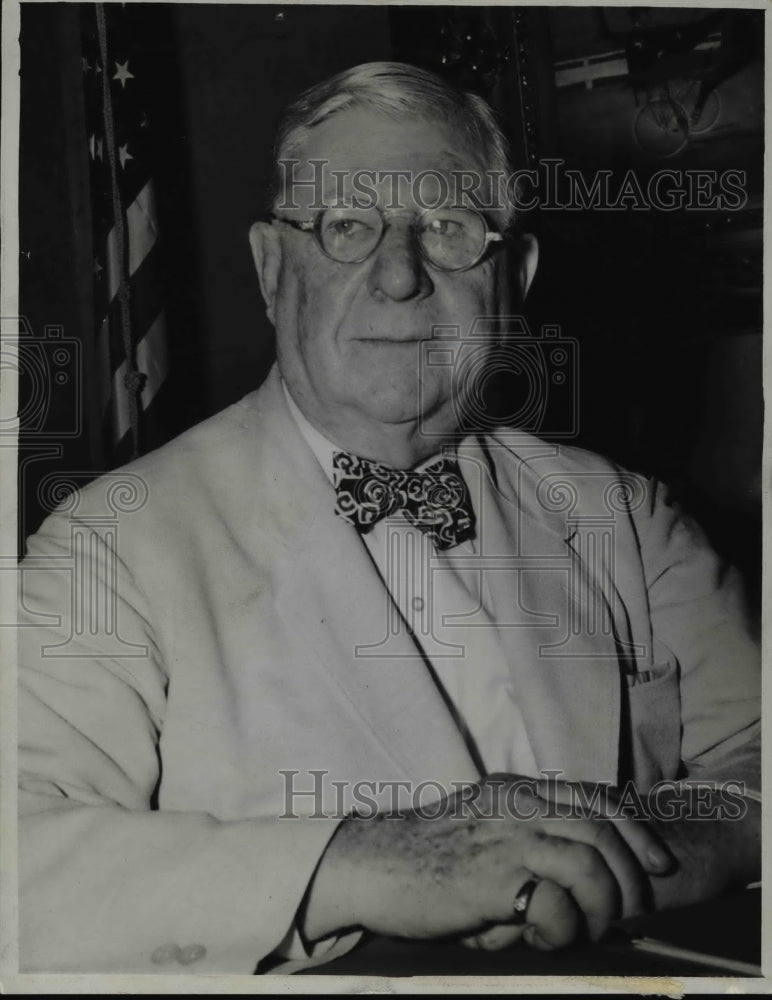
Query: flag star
[[97, 268], [144, 122], [99, 144], [124, 154], [122, 73], [85, 64], [97, 69]]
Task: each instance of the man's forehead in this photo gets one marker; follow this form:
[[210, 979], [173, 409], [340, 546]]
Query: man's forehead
[[358, 138], [397, 163]]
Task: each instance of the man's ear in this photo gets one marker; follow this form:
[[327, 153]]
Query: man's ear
[[528, 248], [266, 253]]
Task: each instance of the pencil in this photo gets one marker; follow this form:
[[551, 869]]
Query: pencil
[[671, 951]]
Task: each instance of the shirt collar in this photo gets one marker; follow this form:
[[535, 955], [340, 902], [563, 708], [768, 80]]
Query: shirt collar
[[321, 446]]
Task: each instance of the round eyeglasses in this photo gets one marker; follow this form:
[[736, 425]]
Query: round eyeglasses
[[450, 239]]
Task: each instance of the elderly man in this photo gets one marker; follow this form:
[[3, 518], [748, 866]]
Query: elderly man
[[341, 662]]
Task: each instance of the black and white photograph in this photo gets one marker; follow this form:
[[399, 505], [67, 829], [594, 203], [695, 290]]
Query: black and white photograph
[[382, 411]]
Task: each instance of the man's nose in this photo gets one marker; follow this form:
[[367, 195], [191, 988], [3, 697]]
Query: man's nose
[[398, 270]]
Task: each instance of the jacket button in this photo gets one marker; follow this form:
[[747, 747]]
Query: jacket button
[[166, 953], [191, 953]]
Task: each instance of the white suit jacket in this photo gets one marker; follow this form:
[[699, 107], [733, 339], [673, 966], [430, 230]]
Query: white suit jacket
[[200, 621]]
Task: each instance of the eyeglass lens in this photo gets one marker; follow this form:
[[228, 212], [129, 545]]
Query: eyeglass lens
[[451, 238]]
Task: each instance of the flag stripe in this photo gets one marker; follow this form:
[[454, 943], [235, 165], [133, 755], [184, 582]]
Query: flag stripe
[[151, 359], [143, 233], [147, 299]]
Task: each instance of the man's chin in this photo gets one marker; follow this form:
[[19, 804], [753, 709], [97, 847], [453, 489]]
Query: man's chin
[[405, 409], [391, 411]]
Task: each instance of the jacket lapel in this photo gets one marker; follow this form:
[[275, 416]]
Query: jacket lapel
[[551, 609], [332, 597]]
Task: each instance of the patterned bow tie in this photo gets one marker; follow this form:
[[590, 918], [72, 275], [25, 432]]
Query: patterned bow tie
[[435, 500]]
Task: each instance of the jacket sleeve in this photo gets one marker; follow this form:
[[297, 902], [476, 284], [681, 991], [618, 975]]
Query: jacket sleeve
[[699, 612], [108, 883]]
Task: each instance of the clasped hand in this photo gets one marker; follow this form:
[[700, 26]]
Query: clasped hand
[[455, 871], [591, 868]]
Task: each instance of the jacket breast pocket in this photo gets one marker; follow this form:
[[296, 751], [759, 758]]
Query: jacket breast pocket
[[654, 721]]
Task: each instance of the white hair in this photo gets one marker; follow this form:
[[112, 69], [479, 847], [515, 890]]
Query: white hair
[[394, 89]]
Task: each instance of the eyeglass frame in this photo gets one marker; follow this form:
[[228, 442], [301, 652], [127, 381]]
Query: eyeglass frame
[[313, 226]]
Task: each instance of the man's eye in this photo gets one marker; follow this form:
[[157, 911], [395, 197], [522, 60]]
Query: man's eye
[[447, 228], [340, 228]]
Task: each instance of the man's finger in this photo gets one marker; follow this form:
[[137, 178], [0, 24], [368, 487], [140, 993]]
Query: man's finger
[[583, 800], [495, 938], [646, 845], [553, 920], [579, 869], [604, 838]]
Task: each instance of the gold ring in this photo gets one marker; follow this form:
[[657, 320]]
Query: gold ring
[[523, 899]]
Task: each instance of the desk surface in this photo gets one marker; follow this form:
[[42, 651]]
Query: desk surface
[[730, 927]]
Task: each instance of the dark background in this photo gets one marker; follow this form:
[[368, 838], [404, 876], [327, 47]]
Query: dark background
[[665, 307]]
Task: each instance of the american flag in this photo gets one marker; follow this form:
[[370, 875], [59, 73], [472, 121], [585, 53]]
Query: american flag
[[129, 320]]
